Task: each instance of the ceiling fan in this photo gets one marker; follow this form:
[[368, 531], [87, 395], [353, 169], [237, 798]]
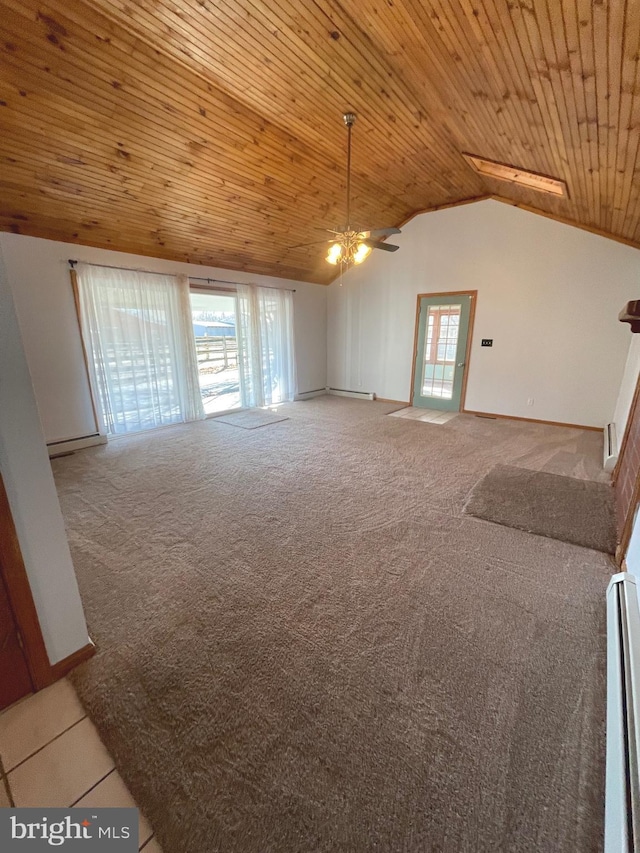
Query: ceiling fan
[[352, 244]]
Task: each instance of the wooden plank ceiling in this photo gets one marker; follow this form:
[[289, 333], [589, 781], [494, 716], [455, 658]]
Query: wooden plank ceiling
[[211, 132]]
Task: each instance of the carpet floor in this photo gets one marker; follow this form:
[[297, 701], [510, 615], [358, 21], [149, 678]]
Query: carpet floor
[[250, 418], [305, 645], [564, 508]]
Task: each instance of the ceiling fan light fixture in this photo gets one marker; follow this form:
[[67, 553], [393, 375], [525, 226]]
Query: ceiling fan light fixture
[[334, 255], [361, 253]]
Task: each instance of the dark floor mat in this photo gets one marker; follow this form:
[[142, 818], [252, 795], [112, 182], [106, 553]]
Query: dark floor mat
[[576, 511]]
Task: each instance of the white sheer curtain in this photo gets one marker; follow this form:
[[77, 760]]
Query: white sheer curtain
[[192, 407], [264, 331], [140, 345]]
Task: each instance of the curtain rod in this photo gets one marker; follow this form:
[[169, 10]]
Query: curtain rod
[[190, 277]]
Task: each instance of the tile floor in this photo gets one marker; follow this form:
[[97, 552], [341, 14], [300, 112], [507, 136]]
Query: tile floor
[[431, 416], [51, 755]]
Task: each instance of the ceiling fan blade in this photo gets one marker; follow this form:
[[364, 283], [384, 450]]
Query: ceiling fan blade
[[386, 247], [384, 232]]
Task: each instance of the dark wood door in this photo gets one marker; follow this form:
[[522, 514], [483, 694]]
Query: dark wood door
[[15, 680], [24, 663]]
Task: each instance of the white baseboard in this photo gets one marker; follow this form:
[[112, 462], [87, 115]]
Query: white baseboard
[[359, 395], [71, 444], [308, 395]]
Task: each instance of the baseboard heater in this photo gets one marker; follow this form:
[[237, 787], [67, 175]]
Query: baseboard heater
[[68, 445], [343, 392], [610, 447], [622, 800], [308, 395]]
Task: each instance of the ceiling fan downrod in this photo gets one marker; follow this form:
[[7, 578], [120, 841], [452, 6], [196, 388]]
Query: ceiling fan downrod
[[349, 120]]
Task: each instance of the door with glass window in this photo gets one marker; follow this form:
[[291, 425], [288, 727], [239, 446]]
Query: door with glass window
[[441, 350]]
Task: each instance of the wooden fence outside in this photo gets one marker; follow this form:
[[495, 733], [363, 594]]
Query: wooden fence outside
[[220, 352]]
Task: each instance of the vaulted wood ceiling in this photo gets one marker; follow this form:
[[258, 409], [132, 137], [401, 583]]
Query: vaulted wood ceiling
[[211, 131]]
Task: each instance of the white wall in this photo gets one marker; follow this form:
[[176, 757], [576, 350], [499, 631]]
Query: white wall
[[548, 294], [39, 277], [26, 473]]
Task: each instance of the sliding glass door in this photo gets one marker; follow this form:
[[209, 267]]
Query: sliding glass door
[[162, 352], [214, 328]]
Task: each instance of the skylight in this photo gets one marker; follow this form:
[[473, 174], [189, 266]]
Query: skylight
[[503, 172]]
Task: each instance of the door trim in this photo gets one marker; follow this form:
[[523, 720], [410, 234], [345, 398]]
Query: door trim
[[472, 314], [21, 600]]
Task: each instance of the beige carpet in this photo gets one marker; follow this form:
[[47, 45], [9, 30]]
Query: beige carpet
[[251, 418], [565, 508], [304, 645]]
